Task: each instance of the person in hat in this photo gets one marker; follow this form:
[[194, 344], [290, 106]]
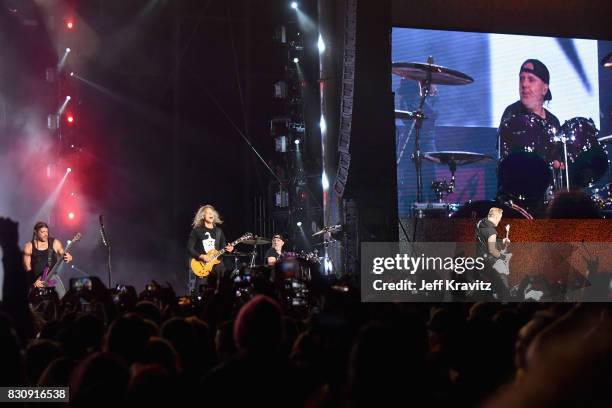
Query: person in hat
[[534, 90], [275, 251]]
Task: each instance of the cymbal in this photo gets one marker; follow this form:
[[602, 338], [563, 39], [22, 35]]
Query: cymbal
[[257, 241], [440, 75], [331, 229], [605, 139], [457, 158], [237, 253], [325, 243]]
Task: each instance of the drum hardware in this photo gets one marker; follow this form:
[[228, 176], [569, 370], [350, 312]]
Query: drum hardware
[[480, 209], [326, 243], [427, 75], [429, 72], [235, 255], [452, 159], [443, 187], [408, 115], [605, 140], [331, 230], [255, 241], [433, 210], [563, 139]]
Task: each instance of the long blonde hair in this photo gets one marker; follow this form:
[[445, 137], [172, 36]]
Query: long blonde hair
[[198, 220]]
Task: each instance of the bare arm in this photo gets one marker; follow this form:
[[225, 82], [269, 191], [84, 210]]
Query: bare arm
[[271, 260], [59, 249], [492, 243], [27, 257]]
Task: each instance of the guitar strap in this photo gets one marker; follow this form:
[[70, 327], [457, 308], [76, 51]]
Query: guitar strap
[[477, 232], [217, 237], [50, 251]]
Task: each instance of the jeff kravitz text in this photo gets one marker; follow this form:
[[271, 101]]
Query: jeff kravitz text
[[403, 263]]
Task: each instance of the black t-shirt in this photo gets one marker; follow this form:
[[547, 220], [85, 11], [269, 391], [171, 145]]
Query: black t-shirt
[[40, 258], [202, 240], [484, 229], [517, 108], [271, 252]]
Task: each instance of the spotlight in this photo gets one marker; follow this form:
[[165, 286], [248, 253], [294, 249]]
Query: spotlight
[[296, 60], [68, 170], [321, 44], [68, 50], [71, 215], [299, 223], [297, 141], [70, 119], [71, 73], [324, 181], [294, 5], [69, 25], [323, 124], [68, 97]]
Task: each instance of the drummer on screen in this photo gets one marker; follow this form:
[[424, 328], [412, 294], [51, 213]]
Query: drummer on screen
[[275, 250], [534, 90]]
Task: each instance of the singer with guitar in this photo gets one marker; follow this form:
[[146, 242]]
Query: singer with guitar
[[204, 237], [42, 254], [487, 248]]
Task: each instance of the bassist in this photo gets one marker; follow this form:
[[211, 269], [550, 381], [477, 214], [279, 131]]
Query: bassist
[[42, 252]]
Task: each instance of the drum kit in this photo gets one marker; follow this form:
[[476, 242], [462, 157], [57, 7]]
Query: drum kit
[[291, 274], [536, 160]]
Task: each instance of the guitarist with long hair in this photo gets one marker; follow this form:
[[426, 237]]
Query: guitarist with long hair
[[204, 237], [42, 252]]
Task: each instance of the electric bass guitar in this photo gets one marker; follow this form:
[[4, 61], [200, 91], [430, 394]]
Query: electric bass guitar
[[202, 269], [48, 274], [503, 265]]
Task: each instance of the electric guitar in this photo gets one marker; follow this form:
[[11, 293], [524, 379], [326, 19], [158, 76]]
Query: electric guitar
[[503, 265], [47, 274], [202, 269]]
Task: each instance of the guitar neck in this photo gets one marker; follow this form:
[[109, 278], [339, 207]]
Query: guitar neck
[[59, 262], [222, 251]]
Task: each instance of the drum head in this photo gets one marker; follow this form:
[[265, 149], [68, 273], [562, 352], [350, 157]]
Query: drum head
[[480, 209], [524, 175]]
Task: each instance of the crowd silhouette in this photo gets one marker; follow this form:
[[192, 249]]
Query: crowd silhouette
[[118, 347]]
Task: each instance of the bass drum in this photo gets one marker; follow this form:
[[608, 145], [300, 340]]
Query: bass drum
[[480, 209]]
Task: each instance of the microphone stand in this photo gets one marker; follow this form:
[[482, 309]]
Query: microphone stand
[[107, 244]]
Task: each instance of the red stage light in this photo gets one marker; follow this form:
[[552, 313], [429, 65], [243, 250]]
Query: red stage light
[[71, 215], [70, 118], [69, 25]]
